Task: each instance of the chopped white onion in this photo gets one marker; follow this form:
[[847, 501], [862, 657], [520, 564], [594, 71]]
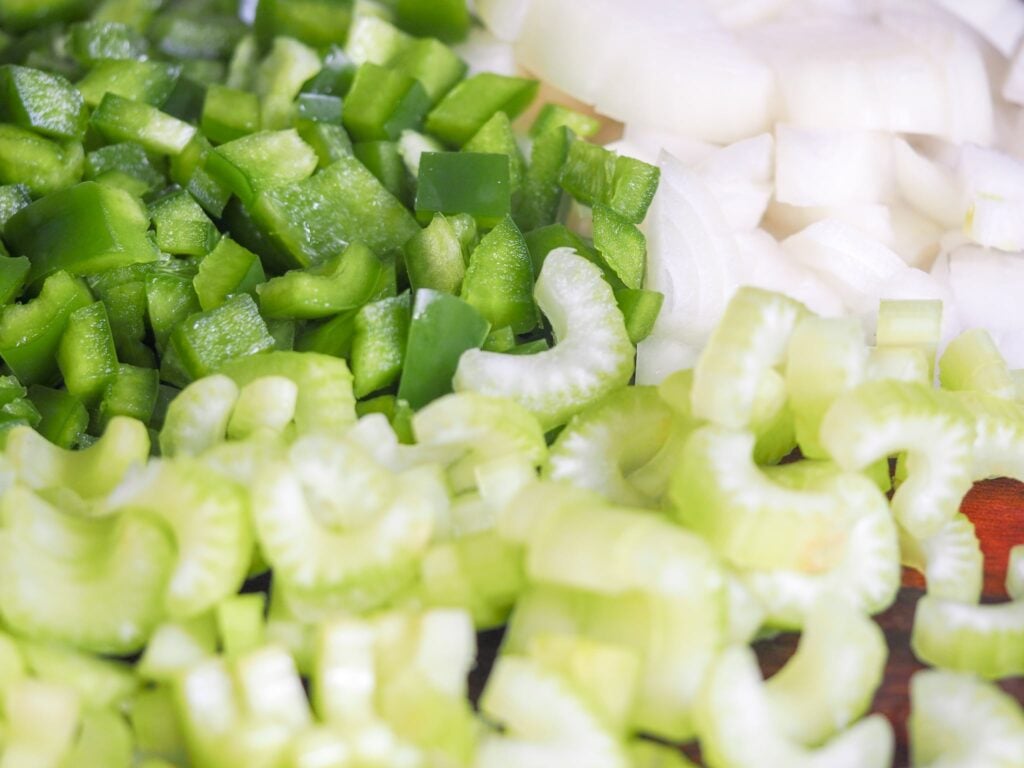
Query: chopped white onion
[[1000, 22]]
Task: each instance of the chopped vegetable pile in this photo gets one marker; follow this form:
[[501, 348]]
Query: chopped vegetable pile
[[312, 370]]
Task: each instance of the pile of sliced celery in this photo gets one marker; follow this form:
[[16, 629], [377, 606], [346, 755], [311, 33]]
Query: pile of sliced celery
[[316, 382]]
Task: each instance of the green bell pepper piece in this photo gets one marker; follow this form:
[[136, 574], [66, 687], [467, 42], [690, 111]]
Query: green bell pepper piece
[[170, 298], [121, 119], [41, 165], [464, 182], [499, 279], [63, 417], [182, 227], [189, 94], [330, 142], [500, 340], [437, 67], [13, 276], [188, 170], [382, 103], [332, 337], [474, 101], [434, 258], [640, 310], [347, 203], [622, 245], [16, 408], [261, 161], [343, 282], [131, 392], [135, 13], [554, 116], [13, 197], [207, 340], [30, 333], [496, 137], [45, 103], [280, 78], [594, 175], [336, 76], [541, 196], [318, 23], [229, 114], [23, 15], [196, 36], [319, 107], [85, 229], [227, 270], [446, 20], [150, 82], [126, 308], [128, 161], [383, 160], [543, 240], [379, 344], [86, 356], [442, 328], [94, 41]]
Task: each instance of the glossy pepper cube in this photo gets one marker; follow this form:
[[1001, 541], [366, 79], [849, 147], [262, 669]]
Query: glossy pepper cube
[[464, 182]]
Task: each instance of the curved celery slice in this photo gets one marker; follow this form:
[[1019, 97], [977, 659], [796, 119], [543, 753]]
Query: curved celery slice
[[95, 584], [911, 324], [104, 739], [999, 436], [650, 754], [831, 679], [1015, 573], [827, 356], [738, 726], [593, 356], [883, 418], [41, 720], [972, 362], [957, 720], [951, 560], [985, 639], [175, 647], [344, 679], [868, 574], [750, 341], [90, 473], [325, 522], [197, 419], [606, 443], [908, 364], [209, 518], [754, 522], [99, 683], [545, 723], [264, 407]]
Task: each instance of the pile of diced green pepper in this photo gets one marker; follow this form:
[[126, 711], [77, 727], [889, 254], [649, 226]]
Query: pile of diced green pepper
[[183, 186]]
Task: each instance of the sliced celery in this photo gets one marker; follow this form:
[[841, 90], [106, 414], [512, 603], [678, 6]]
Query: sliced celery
[[951, 560], [972, 362], [1015, 573], [911, 323], [999, 436], [197, 419], [987, 640]]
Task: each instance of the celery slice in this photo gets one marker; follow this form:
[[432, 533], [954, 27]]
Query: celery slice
[[604, 445], [344, 677], [951, 560], [593, 356], [957, 721], [104, 741], [92, 583], [265, 407], [831, 679], [999, 436], [883, 418], [649, 754], [90, 473], [739, 727], [754, 522], [987, 640], [749, 343], [208, 517], [176, 647], [41, 722], [972, 363], [911, 324], [900, 363], [1015, 573], [197, 419], [99, 683]]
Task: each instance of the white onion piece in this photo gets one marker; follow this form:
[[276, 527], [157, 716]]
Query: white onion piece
[[873, 219], [832, 167], [659, 355], [740, 178], [928, 186], [504, 18], [740, 13], [1013, 86], [987, 287], [484, 52], [993, 184], [914, 237], [960, 63], [1011, 344], [651, 141], [1000, 22]]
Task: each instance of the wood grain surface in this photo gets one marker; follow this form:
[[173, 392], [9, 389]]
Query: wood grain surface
[[996, 508]]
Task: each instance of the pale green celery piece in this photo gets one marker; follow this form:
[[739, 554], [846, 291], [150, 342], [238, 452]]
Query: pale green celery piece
[[155, 725], [41, 721], [958, 720], [972, 362], [243, 461], [650, 754], [998, 436], [545, 722], [374, 746], [604, 445], [739, 725], [93, 583], [753, 522], [176, 646], [827, 356], [104, 741], [885, 418], [987, 640], [867, 574], [744, 613], [390, 587], [344, 678], [280, 77], [1018, 384], [208, 517], [197, 419], [908, 364], [593, 355], [90, 473], [375, 434], [240, 623], [911, 323], [99, 683], [1015, 573], [831, 679], [951, 560], [12, 662], [333, 519], [807, 473], [265, 407], [748, 345]]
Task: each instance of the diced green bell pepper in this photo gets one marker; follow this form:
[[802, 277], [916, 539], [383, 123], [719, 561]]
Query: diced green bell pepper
[[554, 116], [86, 355], [379, 344], [63, 417], [464, 182], [23, 15], [261, 161], [13, 276], [41, 165], [45, 103], [13, 197], [336, 76], [622, 245], [120, 119], [126, 307], [229, 114], [541, 195], [434, 258], [182, 227], [170, 298], [128, 161], [131, 392], [280, 78], [342, 282], [205, 341], [330, 142], [228, 269], [333, 337], [594, 175], [16, 409], [318, 23], [446, 20], [640, 310], [499, 279], [383, 160], [188, 170], [150, 82], [200, 36], [434, 64], [471, 103], [382, 103], [85, 229], [94, 41], [442, 328], [30, 333], [319, 107]]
